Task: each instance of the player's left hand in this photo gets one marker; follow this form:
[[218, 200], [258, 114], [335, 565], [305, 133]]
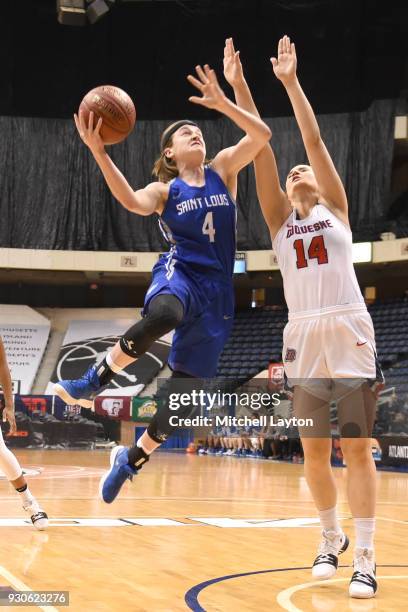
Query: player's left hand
[[207, 83], [233, 71], [285, 65], [9, 415]]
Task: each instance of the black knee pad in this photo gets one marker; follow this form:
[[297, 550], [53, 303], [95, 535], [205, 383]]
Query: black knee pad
[[165, 312], [159, 428]]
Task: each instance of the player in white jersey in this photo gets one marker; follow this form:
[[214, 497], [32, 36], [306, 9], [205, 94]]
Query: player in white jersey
[[329, 337], [8, 462]]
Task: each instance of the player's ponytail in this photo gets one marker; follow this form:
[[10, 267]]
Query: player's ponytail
[[165, 168]]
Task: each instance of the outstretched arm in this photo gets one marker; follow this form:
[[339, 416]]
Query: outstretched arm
[[229, 162], [272, 199], [143, 201], [330, 185]]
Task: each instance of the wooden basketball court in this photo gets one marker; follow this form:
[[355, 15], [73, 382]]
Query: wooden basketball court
[[191, 532]]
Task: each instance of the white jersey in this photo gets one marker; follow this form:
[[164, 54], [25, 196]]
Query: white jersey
[[316, 261]]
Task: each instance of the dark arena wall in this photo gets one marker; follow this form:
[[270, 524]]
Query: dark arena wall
[[346, 59], [147, 49]]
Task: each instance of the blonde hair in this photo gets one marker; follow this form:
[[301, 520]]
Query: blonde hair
[[165, 168]]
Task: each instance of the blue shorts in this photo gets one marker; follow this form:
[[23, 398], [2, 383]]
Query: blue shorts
[[208, 316]]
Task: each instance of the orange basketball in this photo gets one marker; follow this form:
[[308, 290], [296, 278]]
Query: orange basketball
[[116, 109]]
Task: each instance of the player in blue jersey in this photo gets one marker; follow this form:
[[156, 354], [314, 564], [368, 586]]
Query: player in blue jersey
[[191, 288]]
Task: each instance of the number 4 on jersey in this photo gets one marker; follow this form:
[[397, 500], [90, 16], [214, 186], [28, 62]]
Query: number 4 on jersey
[[316, 250], [208, 226]]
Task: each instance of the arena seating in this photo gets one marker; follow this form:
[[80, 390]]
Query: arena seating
[[390, 320], [256, 340], [397, 376]]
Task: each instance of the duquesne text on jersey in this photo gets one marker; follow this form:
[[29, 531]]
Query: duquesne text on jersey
[[305, 229], [219, 199]]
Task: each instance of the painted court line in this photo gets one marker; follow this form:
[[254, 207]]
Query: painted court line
[[284, 597], [20, 586]]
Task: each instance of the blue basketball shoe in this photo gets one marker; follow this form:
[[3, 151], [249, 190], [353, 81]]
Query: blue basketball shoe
[[120, 471], [80, 391]]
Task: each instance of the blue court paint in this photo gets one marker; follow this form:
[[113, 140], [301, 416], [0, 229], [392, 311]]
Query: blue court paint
[[191, 597]]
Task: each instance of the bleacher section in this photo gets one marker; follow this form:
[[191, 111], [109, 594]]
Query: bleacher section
[[397, 376], [256, 340], [391, 330]]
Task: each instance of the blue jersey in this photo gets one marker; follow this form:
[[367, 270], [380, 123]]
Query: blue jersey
[[200, 224]]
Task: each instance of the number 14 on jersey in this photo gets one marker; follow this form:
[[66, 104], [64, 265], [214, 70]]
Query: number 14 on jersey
[[317, 250]]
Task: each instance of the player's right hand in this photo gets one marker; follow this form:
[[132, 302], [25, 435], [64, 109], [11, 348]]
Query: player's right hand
[[207, 83], [233, 71], [89, 134], [285, 65]]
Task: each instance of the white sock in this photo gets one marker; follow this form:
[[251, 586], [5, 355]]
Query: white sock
[[26, 496], [364, 529], [329, 521], [146, 450]]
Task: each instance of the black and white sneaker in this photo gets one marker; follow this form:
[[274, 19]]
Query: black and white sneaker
[[38, 517], [332, 544], [363, 584]]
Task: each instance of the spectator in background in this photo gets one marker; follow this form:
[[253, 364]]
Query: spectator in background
[[267, 436], [399, 424], [256, 441]]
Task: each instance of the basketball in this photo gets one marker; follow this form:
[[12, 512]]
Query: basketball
[[116, 109]]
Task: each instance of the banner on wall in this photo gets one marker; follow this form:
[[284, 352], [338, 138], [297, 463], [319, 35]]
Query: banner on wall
[[143, 409], [86, 343], [113, 407], [24, 346], [390, 451], [394, 450], [34, 405]]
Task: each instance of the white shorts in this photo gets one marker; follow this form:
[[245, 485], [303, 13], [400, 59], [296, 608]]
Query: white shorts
[[336, 343]]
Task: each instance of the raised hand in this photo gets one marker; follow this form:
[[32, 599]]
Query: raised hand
[[233, 72], [285, 66], [207, 84], [88, 133]]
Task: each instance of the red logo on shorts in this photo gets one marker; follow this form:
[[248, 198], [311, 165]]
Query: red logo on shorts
[[290, 354], [362, 343]]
